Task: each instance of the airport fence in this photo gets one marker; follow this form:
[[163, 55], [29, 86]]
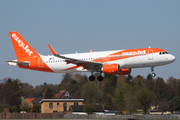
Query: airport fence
[[141, 117], [74, 116], [32, 115], [170, 116]]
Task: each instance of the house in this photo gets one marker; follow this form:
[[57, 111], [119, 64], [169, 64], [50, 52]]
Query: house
[[58, 105], [157, 111], [33, 101], [63, 100], [29, 100], [62, 94]]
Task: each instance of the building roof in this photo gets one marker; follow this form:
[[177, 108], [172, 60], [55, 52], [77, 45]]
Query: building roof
[[80, 108], [61, 100], [37, 100], [59, 94], [29, 99]]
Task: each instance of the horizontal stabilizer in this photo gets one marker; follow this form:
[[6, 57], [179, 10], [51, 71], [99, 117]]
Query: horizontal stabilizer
[[18, 62]]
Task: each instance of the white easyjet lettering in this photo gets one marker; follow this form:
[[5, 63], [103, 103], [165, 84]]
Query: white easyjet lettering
[[134, 52], [21, 44]]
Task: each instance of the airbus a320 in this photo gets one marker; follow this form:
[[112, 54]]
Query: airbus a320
[[118, 62]]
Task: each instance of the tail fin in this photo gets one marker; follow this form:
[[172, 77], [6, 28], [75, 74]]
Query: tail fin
[[21, 47]]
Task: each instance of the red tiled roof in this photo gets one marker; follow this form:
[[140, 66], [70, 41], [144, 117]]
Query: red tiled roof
[[59, 94], [29, 99]]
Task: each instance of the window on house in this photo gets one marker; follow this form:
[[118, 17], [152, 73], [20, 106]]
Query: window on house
[[66, 95], [65, 106], [57, 104], [50, 105], [75, 103]]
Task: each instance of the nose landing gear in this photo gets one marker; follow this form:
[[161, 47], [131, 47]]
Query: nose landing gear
[[152, 70]]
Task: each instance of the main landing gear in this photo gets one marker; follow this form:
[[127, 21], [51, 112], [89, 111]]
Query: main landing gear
[[152, 70], [91, 78], [99, 78]]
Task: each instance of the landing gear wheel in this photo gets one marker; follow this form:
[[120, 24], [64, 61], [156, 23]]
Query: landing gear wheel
[[152, 70], [91, 78], [100, 78], [153, 74]]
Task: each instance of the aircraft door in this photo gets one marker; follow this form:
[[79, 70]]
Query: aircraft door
[[40, 63], [150, 55]]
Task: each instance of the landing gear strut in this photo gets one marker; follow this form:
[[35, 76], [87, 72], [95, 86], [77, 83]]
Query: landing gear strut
[[92, 78], [152, 70], [100, 77]]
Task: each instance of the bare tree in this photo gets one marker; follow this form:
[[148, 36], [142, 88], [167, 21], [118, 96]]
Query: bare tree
[[144, 97]]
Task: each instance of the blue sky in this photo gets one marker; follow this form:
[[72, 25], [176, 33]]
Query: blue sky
[[79, 25]]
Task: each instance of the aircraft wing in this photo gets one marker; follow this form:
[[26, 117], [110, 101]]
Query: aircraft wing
[[85, 64]]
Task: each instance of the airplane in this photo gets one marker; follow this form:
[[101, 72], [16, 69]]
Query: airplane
[[119, 62]]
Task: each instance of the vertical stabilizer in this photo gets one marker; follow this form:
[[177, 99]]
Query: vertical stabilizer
[[21, 47]]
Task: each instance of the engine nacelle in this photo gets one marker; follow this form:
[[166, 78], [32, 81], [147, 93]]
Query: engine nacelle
[[111, 69], [115, 69], [124, 72]]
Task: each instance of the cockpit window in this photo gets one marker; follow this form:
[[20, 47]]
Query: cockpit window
[[160, 53]]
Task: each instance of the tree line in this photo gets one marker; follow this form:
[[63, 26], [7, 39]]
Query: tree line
[[123, 93]]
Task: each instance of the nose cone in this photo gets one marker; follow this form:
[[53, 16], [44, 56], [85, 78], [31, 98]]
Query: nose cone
[[172, 58]]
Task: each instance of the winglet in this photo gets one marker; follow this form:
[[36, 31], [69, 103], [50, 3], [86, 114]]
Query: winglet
[[52, 50]]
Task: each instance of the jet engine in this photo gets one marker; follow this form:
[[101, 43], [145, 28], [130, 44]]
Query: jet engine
[[111, 69], [115, 69], [124, 72]]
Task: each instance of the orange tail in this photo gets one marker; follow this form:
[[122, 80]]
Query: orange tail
[[21, 47]]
